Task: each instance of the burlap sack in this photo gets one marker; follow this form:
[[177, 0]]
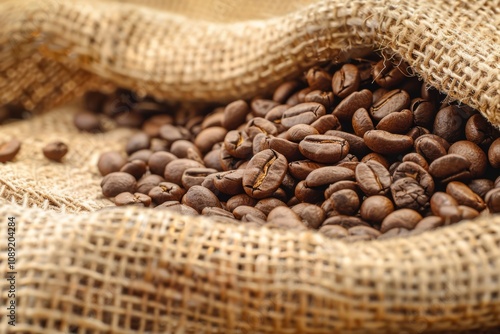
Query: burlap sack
[[126, 270]]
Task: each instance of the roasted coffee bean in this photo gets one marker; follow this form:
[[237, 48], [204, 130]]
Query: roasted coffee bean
[[148, 182], [431, 147], [378, 93], [449, 124], [110, 162], [227, 161], [479, 131], [244, 210], [152, 125], [129, 119], [235, 114], [260, 125], [288, 148], [238, 144], [493, 200], [298, 132], [159, 160], [376, 157], [351, 103], [285, 90], [274, 115], [312, 215], [417, 132], [386, 74], [416, 158], [158, 145], [213, 119], [208, 137], [345, 221], [264, 173], [361, 122], [396, 122], [199, 197], [394, 232], [465, 196], [411, 169], [408, 193], [393, 101], [282, 212], [266, 205], [441, 199], [116, 183], [428, 223], [285, 223], [143, 155], [240, 200], [317, 78], [300, 169], [325, 176], [374, 209], [195, 176], [473, 153], [166, 191], [136, 168], [303, 113], [323, 148], [356, 144], [363, 231], [405, 218], [55, 151], [346, 80], [494, 154], [172, 133], [306, 194], [466, 212], [373, 178], [260, 143], [230, 182], [384, 142], [423, 112], [184, 149], [450, 214], [136, 199], [301, 96], [215, 211], [175, 169], [450, 167], [334, 231], [324, 98], [260, 107], [481, 186], [334, 187], [325, 123], [342, 202], [86, 121], [177, 207]]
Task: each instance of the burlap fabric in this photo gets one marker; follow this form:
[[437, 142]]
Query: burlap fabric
[[85, 270]]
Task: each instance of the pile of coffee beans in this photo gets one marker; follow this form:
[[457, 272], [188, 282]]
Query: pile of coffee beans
[[358, 150]]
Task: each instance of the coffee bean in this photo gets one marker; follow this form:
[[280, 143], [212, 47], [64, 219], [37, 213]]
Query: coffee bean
[[397, 232], [361, 122], [159, 160], [55, 151], [110, 162], [171, 133], [86, 121], [386, 74], [481, 186], [342, 202], [303, 113], [285, 90], [334, 187], [288, 148], [266, 205], [185, 149], [416, 158], [9, 150], [416, 132], [235, 114], [431, 147], [227, 161], [374, 209], [465, 196], [408, 193], [393, 101], [449, 124], [325, 176], [384, 142], [264, 173], [260, 107], [367, 232], [428, 223], [351, 103], [466, 212], [136, 168], [312, 215], [493, 200], [230, 182], [356, 144], [300, 169], [324, 98], [240, 200], [376, 157], [195, 176], [325, 123], [285, 223], [306, 194], [396, 122], [148, 182], [334, 231], [494, 154], [344, 221], [213, 119], [260, 125], [238, 144], [318, 78], [373, 178], [282, 212], [323, 148], [175, 169], [450, 167], [473, 153], [215, 211], [199, 197], [143, 155], [136, 199], [244, 210], [177, 207], [208, 137], [298, 132], [423, 112], [441, 199], [116, 183], [479, 131], [346, 80], [411, 169], [152, 125], [166, 191], [405, 218]]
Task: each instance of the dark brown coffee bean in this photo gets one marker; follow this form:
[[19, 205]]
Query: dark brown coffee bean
[[342, 202], [172, 133], [356, 144], [153, 124], [450, 167], [417, 132], [274, 115], [465, 196], [361, 122], [230, 182], [235, 114], [86, 121], [334, 231], [266, 205], [300, 169], [214, 119], [408, 193], [260, 125], [199, 197], [129, 119], [405, 218], [244, 210], [260, 143], [143, 155], [324, 98], [215, 211], [9, 150], [158, 145], [159, 160], [384, 142], [346, 80], [298, 132], [195, 176], [177, 207], [175, 169], [374, 209], [376, 157], [212, 160], [288, 224], [325, 123], [449, 124], [282, 212], [493, 200], [423, 112], [396, 122], [240, 200], [260, 107], [428, 224], [285, 90], [110, 162], [324, 176], [441, 199], [238, 144], [227, 161], [411, 169], [264, 173], [378, 93], [393, 101], [479, 131], [323, 148], [481, 186], [117, 182], [494, 154], [344, 221], [306, 194], [450, 214], [312, 215], [136, 168], [303, 113], [351, 103], [467, 212], [208, 137], [55, 151], [184, 148], [373, 178], [334, 187], [431, 147], [148, 182], [317, 78], [166, 191], [473, 153], [386, 74], [136, 199], [416, 158], [301, 96], [288, 148], [367, 232]]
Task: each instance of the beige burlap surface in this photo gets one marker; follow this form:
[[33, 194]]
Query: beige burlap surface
[[129, 270]]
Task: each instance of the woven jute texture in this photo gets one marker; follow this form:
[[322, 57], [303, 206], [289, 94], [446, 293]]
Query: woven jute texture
[[85, 268]]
